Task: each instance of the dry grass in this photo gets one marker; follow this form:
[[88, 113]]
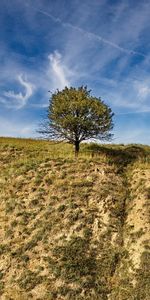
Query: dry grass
[[73, 229]]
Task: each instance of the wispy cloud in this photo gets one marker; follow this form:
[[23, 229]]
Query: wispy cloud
[[18, 100], [58, 72], [129, 135], [133, 112], [143, 90], [16, 128], [90, 35]]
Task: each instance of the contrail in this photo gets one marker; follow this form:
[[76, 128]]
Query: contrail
[[132, 112], [90, 34]]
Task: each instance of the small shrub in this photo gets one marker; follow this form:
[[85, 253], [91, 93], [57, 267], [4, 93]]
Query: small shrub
[[48, 181], [28, 280], [61, 208]]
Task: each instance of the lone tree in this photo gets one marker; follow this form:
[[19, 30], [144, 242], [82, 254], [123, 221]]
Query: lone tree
[[75, 116]]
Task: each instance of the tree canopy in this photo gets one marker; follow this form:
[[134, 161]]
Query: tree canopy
[[75, 116]]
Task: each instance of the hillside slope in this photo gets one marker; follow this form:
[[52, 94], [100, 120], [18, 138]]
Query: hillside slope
[[74, 229]]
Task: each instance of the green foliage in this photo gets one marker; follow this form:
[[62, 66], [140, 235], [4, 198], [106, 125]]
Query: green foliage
[[74, 115]]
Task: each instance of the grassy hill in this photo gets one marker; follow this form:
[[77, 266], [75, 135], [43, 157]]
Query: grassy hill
[[74, 229]]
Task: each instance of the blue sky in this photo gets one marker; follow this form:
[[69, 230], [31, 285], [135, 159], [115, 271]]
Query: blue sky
[[47, 44]]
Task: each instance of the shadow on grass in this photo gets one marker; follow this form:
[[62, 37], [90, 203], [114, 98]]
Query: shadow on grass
[[122, 156]]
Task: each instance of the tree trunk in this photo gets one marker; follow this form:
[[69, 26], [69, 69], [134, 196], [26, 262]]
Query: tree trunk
[[77, 147]]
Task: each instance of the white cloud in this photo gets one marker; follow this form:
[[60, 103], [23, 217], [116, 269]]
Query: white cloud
[[14, 128], [143, 90], [58, 71], [19, 100], [127, 136]]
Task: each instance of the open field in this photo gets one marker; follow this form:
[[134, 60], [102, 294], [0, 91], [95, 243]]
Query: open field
[[74, 229]]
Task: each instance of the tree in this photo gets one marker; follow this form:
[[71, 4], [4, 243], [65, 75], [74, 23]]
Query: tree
[[75, 116]]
